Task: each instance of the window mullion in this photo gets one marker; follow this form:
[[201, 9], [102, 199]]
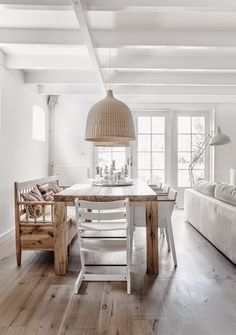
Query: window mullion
[[151, 153]]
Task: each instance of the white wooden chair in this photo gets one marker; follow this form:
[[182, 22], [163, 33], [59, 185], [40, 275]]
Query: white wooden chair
[[161, 191], [165, 210], [156, 186], [165, 188], [104, 217]]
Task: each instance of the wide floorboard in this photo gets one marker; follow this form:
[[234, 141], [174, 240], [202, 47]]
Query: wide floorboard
[[197, 298]]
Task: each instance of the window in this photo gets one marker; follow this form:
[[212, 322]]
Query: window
[[106, 155], [191, 135], [38, 131], [151, 148]]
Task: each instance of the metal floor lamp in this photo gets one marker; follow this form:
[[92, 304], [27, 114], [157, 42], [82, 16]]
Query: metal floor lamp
[[214, 140]]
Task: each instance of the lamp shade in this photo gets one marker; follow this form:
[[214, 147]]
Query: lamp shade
[[219, 138], [111, 144], [110, 120]]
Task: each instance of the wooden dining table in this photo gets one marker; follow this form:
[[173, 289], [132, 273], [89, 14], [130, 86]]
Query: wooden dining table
[[139, 194]]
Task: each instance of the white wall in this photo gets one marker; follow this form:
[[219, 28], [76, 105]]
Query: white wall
[[21, 158], [225, 156], [70, 148]]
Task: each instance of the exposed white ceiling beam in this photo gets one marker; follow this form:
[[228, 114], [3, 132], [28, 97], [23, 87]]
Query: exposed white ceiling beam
[[41, 36], [2, 58], [162, 38], [134, 78], [138, 90], [145, 102], [157, 5], [150, 102], [174, 90], [125, 5], [172, 62], [132, 62], [59, 62], [176, 78], [117, 38], [81, 17], [36, 4], [69, 89], [61, 77]]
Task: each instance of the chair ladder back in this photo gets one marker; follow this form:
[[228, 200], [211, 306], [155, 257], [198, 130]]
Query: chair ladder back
[[106, 215], [165, 188], [172, 194], [109, 205]]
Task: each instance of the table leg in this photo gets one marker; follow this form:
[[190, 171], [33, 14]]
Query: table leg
[[60, 247], [152, 237]]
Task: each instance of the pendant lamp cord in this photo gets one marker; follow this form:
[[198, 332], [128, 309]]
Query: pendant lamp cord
[[110, 86]]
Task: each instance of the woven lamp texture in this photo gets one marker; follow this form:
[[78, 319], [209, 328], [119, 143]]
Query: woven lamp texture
[[111, 144], [110, 120]]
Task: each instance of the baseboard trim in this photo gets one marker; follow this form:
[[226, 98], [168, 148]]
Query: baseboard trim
[[8, 234]]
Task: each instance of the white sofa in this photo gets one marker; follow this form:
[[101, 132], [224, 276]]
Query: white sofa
[[214, 219]]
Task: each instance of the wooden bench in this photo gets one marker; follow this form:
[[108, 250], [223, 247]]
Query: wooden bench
[[40, 233]]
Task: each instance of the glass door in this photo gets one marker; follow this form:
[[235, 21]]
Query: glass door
[[150, 151], [191, 130], [166, 144]]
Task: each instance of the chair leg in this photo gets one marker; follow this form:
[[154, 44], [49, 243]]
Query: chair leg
[[162, 231], [172, 242], [68, 249], [129, 257], [18, 257], [167, 239], [79, 281], [128, 280], [132, 229], [82, 271]]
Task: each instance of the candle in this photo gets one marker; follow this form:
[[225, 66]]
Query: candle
[[232, 177]]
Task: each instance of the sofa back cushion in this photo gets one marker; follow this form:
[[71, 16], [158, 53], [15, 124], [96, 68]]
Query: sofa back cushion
[[205, 187], [226, 193]]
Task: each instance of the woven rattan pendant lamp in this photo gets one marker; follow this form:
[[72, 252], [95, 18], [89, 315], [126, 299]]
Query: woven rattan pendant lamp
[[110, 120]]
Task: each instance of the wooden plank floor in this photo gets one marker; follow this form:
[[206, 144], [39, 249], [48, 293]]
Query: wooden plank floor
[[199, 298]]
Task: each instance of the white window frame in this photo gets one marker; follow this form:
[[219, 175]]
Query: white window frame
[[95, 158], [191, 113], [171, 144], [134, 146]]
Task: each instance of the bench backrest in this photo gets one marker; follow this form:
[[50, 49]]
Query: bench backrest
[[27, 186]]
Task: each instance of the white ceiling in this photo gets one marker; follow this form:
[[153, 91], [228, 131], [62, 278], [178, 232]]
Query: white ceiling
[[161, 50]]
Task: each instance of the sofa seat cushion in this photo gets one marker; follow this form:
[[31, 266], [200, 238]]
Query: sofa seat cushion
[[205, 187], [226, 193]]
